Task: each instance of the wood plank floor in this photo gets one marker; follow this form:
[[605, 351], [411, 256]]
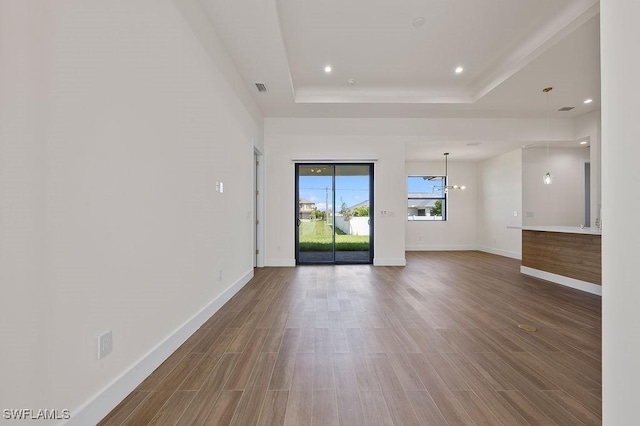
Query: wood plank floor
[[433, 343]]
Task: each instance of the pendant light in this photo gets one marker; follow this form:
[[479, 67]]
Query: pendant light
[[446, 175], [547, 179]]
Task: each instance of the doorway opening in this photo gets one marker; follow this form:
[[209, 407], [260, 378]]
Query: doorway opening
[[334, 213]]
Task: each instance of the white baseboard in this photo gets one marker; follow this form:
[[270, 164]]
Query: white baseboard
[[499, 252], [440, 248], [280, 262], [399, 261], [562, 280], [106, 400]]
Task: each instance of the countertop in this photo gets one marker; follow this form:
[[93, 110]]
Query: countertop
[[564, 229]]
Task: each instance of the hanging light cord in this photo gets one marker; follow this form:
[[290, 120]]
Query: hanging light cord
[[548, 127], [547, 176]]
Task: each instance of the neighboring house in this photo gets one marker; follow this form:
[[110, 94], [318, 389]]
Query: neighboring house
[[420, 203], [305, 207], [364, 203]]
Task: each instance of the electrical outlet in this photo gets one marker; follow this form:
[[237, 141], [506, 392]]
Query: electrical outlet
[[105, 344], [515, 213], [217, 186]]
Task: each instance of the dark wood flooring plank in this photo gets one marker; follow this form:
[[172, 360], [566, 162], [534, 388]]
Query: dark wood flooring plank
[[147, 410], [223, 410], [241, 373], [527, 410], [323, 372], [325, 408], [575, 407], [399, 406], [444, 399], [375, 409], [201, 405], [285, 363], [349, 404], [300, 402], [250, 406], [124, 409], [477, 410], [427, 411], [173, 408], [274, 408]]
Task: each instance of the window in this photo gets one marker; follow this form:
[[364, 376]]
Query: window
[[426, 198]]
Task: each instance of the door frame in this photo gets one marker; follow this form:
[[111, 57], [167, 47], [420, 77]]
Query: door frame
[[333, 197]]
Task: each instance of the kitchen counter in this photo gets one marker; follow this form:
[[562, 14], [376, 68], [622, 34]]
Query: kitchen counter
[[565, 229], [567, 255]]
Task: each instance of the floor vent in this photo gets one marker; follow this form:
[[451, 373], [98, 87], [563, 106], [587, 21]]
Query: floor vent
[[565, 109], [261, 87]]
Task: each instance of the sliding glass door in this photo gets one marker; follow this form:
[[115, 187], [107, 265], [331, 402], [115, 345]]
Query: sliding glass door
[[333, 224]]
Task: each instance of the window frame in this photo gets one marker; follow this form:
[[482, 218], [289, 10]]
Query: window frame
[[444, 197]]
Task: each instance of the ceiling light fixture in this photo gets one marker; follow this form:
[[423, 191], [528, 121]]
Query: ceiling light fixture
[[588, 101], [547, 179], [418, 22], [328, 69], [459, 70], [583, 143], [446, 176]]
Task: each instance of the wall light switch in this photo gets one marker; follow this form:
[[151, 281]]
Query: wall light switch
[[221, 187], [515, 213]]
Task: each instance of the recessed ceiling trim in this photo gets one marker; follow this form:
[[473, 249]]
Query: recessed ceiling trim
[[557, 29], [381, 96]]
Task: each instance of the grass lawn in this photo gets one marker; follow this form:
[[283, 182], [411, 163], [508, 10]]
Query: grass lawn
[[317, 236]]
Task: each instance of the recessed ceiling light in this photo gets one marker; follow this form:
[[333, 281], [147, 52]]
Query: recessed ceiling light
[[583, 143], [588, 101], [418, 22], [327, 69], [459, 70]]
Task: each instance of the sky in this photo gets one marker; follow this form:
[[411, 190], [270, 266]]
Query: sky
[[418, 184], [349, 189]]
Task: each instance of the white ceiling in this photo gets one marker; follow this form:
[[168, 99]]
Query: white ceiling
[[510, 51]]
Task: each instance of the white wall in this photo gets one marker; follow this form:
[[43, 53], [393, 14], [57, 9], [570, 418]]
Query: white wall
[[588, 127], [458, 232], [562, 202], [317, 139], [116, 123], [620, 206], [500, 196]]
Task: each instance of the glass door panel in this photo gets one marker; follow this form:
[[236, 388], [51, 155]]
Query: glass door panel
[[315, 236], [353, 222]]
